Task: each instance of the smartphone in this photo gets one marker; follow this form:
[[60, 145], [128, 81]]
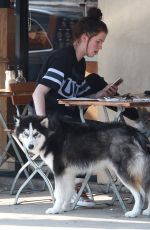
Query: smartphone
[[117, 82]]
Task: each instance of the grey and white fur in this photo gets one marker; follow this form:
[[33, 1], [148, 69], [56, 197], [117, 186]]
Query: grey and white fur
[[70, 148]]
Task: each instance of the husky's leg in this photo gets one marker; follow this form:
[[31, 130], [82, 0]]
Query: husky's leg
[[147, 211], [59, 195], [134, 188], [137, 205], [64, 187], [69, 191]]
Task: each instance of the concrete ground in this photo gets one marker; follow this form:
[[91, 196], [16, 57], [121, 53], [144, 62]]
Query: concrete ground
[[30, 213]]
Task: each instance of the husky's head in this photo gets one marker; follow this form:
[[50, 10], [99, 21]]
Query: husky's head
[[32, 131]]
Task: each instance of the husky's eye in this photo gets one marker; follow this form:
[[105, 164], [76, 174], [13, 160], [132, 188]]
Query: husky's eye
[[25, 133], [36, 134]]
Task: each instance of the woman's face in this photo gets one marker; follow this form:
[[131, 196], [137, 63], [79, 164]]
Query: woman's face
[[95, 44]]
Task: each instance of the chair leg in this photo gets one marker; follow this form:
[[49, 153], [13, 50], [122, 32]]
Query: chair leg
[[37, 169], [85, 181], [49, 185], [20, 160], [17, 176], [89, 191], [47, 174], [11, 142], [23, 186], [114, 196], [115, 190], [47, 181]]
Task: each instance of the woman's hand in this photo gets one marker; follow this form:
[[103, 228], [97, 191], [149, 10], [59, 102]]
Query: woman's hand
[[109, 91]]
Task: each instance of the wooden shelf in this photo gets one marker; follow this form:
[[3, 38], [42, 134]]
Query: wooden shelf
[[7, 56]]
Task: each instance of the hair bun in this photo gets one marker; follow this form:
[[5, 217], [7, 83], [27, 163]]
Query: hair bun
[[95, 13]]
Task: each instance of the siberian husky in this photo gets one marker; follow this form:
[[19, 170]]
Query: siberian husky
[[70, 148]]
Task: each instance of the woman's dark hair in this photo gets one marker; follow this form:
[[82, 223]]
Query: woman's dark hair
[[90, 25]]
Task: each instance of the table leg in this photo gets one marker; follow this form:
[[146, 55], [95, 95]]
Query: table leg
[[119, 115]]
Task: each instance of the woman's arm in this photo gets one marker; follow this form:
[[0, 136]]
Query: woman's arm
[[39, 99]]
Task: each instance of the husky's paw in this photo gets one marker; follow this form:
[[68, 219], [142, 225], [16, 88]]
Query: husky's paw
[[131, 214], [146, 212], [67, 208], [52, 211]]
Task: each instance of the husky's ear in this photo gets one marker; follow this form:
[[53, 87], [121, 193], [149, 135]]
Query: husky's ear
[[45, 122], [17, 121]]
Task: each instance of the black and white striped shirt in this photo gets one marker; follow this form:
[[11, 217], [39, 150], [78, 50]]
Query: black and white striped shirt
[[64, 74]]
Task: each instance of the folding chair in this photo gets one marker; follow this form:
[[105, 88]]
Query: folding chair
[[10, 143], [22, 96], [37, 164]]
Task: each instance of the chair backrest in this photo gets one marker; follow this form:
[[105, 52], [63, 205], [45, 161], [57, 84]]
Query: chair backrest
[[22, 93]]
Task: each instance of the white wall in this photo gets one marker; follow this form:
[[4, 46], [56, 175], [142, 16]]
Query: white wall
[[126, 51]]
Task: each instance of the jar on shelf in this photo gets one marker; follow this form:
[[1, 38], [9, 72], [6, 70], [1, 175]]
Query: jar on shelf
[[20, 78], [9, 78]]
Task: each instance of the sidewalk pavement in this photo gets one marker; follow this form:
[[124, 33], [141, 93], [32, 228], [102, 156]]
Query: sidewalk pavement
[[30, 213]]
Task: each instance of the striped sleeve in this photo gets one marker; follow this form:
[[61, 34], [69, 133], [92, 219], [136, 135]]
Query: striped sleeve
[[53, 78]]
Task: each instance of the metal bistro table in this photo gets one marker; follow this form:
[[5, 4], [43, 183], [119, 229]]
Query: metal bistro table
[[137, 101], [121, 103]]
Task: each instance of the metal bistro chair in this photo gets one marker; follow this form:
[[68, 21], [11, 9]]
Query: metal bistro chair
[[21, 97], [11, 141]]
